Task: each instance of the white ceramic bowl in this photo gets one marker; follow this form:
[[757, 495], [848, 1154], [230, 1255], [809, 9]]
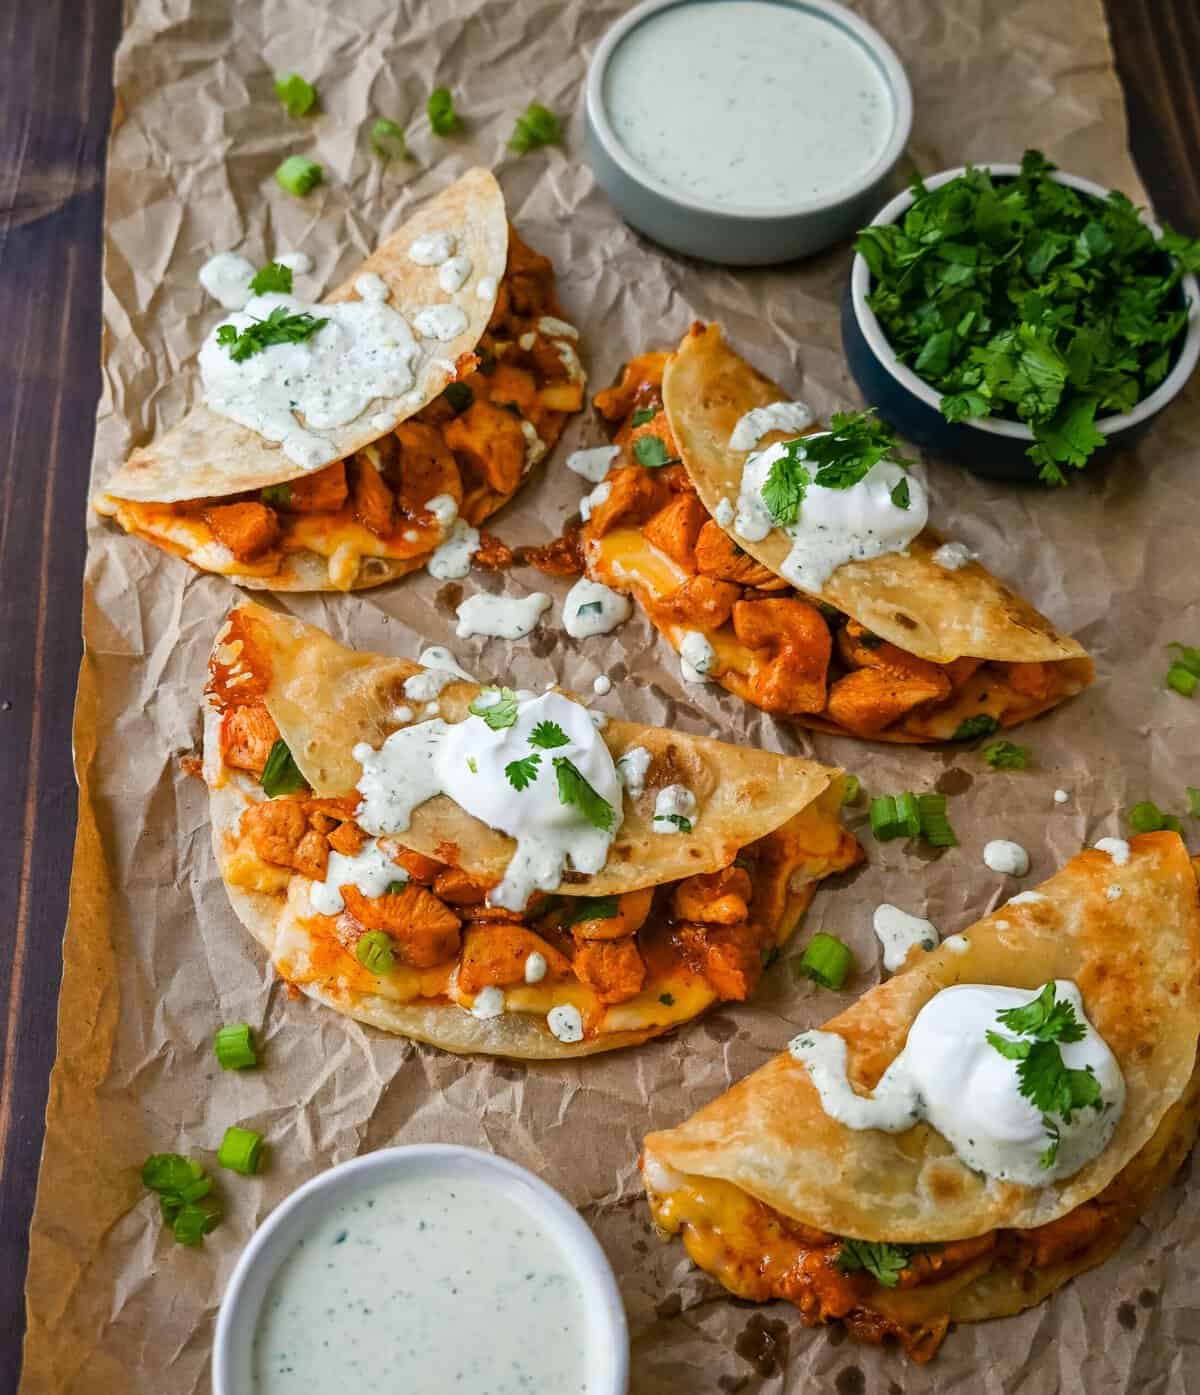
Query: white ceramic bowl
[[607, 1335], [990, 446], [736, 236]]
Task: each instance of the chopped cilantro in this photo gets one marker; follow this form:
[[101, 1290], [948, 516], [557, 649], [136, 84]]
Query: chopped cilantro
[[1007, 755], [581, 908], [297, 95], [682, 824], [536, 126], [522, 773], [574, 789], [651, 452], [854, 444], [1026, 299], [1044, 1019], [590, 608], [499, 712], [786, 484], [900, 495], [885, 1263], [274, 277], [276, 496], [547, 736], [667, 999], [643, 415], [443, 119], [1147, 817], [278, 328], [981, 724], [281, 774]]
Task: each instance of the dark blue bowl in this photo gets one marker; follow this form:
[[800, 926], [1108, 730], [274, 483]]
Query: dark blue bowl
[[990, 446]]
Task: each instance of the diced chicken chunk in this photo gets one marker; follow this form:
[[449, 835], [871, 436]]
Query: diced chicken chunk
[[799, 647], [674, 530], [612, 969], [247, 735], [425, 930], [714, 898], [247, 530], [497, 954], [491, 440]]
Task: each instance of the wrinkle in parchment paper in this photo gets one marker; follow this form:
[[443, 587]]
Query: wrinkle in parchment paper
[[155, 959]]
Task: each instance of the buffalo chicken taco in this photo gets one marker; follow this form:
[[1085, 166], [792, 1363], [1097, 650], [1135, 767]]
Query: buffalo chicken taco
[[794, 567], [974, 1132], [341, 444], [496, 871]]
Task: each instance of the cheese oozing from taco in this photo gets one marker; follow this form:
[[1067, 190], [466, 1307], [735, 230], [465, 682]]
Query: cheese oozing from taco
[[972, 1133], [492, 870], [441, 373], [797, 570]]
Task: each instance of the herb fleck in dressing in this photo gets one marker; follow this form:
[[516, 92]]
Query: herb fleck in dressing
[[425, 1285], [747, 104]]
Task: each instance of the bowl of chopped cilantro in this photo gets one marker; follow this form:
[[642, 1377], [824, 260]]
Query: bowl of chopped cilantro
[[1021, 321]]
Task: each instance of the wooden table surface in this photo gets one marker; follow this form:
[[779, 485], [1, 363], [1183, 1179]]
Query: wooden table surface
[[55, 105]]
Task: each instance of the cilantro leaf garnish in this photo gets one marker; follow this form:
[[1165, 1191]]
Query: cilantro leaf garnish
[[1043, 1077], [281, 774], [279, 327], [499, 712], [573, 788], [885, 1263], [643, 415], [651, 451], [548, 735], [786, 484], [581, 908], [900, 495], [1029, 300], [854, 444], [276, 495], [522, 773], [682, 824], [981, 724], [272, 277]]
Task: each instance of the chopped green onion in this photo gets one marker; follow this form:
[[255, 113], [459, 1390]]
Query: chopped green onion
[[935, 826], [1147, 817], [240, 1150], [170, 1173], [1007, 755], [181, 1184], [298, 175], [1189, 658], [826, 961], [851, 789], [296, 94], [643, 415], [1182, 679], [395, 888], [884, 824], [1193, 795], [908, 815], [387, 140], [281, 774], [443, 119], [536, 126], [192, 1223], [234, 1047], [375, 952]]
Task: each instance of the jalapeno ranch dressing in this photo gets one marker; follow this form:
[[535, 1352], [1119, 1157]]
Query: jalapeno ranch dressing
[[748, 104], [432, 1283], [952, 1076]]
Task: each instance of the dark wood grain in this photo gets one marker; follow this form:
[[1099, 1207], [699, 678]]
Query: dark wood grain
[[55, 101]]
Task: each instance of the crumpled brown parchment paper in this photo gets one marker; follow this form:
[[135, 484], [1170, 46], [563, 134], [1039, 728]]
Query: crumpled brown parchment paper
[[155, 959]]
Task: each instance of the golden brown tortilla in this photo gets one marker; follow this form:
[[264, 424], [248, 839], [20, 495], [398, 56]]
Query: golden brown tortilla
[[906, 599], [1136, 960], [207, 455]]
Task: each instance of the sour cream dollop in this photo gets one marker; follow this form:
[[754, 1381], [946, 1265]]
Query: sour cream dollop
[[469, 762], [833, 526], [950, 1075]]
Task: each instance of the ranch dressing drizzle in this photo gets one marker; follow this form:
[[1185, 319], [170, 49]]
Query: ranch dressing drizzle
[[591, 608], [433, 1282], [467, 763], [834, 525], [950, 1075], [748, 105], [776, 416], [365, 352], [451, 560], [226, 277], [594, 463], [501, 617], [897, 932], [370, 869]]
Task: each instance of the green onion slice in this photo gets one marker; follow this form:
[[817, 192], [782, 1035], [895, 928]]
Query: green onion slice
[[298, 175], [240, 1150], [884, 824], [908, 815], [935, 826], [191, 1223], [826, 961], [296, 94], [1182, 679], [234, 1047], [376, 952], [851, 789]]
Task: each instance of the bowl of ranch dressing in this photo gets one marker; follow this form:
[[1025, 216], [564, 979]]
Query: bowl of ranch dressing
[[421, 1270], [745, 131]]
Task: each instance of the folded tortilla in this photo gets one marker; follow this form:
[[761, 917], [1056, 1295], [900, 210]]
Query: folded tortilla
[[516, 354], [762, 1179], [777, 815], [926, 626]]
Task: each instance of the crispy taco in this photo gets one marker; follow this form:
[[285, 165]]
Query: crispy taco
[[851, 616], [496, 871], [972, 1133], [339, 445]]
